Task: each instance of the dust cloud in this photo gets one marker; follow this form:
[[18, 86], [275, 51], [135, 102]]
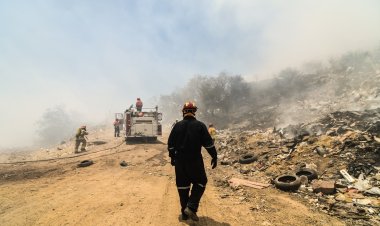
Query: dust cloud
[[349, 82], [55, 126], [95, 59]]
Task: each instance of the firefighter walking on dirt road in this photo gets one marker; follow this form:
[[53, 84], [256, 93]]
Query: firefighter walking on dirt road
[[185, 143], [80, 139]]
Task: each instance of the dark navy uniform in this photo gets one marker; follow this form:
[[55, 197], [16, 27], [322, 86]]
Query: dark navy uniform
[[185, 143]]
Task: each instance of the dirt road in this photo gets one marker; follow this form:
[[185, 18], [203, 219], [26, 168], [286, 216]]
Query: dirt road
[[142, 193]]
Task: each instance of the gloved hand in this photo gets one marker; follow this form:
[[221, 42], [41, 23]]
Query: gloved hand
[[214, 163], [172, 161]]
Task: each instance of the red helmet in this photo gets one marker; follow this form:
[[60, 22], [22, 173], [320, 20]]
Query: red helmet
[[189, 107]]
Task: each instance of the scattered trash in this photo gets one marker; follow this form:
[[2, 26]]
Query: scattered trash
[[362, 201], [361, 184], [347, 176], [224, 163], [321, 151], [304, 180], [356, 168], [325, 187], [373, 191], [235, 182], [343, 147]]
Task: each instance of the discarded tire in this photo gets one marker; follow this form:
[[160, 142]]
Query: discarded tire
[[247, 158], [287, 182], [310, 173], [123, 164], [85, 163], [98, 142]]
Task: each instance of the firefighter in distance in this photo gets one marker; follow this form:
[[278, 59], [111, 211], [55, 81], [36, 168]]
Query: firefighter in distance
[[80, 138]]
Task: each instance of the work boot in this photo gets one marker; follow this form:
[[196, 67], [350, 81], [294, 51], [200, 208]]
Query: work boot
[[183, 198], [184, 216], [191, 214]]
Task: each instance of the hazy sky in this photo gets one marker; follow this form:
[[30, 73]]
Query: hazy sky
[[95, 57]]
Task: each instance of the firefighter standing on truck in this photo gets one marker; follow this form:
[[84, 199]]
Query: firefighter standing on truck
[[139, 104], [185, 143], [80, 139]]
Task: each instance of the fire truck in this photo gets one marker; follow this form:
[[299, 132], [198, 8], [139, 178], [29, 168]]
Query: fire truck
[[144, 125]]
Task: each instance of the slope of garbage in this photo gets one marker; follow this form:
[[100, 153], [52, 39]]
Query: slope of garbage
[[300, 95], [343, 148]]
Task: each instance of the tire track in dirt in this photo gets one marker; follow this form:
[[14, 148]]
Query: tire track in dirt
[[169, 205], [214, 213]]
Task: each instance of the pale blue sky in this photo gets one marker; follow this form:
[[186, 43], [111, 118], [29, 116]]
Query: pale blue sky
[[95, 57]]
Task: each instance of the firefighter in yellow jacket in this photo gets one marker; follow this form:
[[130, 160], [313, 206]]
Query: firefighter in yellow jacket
[[80, 139], [212, 132]]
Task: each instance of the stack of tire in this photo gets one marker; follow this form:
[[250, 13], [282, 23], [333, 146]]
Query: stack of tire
[[291, 182], [286, 182]]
